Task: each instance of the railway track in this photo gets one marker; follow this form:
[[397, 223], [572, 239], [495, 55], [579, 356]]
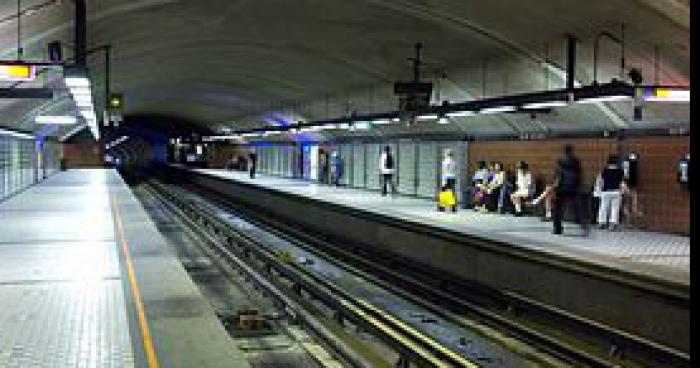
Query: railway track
[[462, 308], [411, 344]]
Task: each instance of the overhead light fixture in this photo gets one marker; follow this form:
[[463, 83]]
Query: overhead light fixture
[[496, 109], [544, 104], [77, 82], [81, 91], [669, 95], [362, 125], [597, 99], [381, 122], [12, 133], [443, 120], [459, 114], [427, 117], [344, 126], [396, 120], [57, 120]]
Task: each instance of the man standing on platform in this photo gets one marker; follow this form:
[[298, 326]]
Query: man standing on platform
[[252, 158], [567, 185], [386, 166]]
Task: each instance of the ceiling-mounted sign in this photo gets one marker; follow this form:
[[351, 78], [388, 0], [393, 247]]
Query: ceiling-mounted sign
[[17, 72], [116, 101]]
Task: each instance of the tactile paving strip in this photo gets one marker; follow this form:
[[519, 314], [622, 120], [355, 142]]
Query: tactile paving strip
[[64, 324]]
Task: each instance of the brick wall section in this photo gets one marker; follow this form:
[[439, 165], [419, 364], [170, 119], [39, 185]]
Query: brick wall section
[[666, 206], [218, 155], [82, 155]]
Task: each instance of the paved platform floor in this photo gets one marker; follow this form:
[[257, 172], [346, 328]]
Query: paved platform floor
[[654, 254], [65, 297]]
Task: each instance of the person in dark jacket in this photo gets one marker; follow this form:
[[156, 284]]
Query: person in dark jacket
[[252, 161], [610, 184], [336, 168], [567, 184]]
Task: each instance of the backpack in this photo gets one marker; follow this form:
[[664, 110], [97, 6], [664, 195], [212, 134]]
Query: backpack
[[389, 161]]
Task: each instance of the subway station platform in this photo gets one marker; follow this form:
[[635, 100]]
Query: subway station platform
[[86, 280], [649, 254]]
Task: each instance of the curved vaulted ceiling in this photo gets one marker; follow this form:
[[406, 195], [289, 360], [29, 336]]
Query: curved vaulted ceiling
[[209, 62]]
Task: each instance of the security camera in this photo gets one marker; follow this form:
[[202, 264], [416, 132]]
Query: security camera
[[636, 76]]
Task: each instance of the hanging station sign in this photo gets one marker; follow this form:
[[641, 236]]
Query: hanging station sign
[[17, 72]]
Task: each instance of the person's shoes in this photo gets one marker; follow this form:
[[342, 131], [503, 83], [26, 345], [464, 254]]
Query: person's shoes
[[602, 226], [613, 227], [556, 232], [518, 214], [546, 219]]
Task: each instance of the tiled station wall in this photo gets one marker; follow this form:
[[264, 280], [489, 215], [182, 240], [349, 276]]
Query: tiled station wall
[[417, 164], [664, 203], [22, 164]]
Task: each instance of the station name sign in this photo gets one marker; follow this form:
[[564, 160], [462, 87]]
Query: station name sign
[[17, 72]]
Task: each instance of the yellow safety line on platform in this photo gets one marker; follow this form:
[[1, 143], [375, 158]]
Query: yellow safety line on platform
[[140, 310]]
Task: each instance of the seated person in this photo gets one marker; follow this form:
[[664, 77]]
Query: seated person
[[523, 185], [493, 187], [479, 183]]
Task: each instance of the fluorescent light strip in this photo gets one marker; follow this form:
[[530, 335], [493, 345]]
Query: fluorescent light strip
[[603, 99], [459, 114], [497, 109], [16, 134], [544, 104], [362, 125], [427, 117], [81, 91], [381, 122], [58, 120], [73, 82]]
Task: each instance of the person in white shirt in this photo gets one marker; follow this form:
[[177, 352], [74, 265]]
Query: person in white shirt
[[494, 187], [386, 167], [449, 171], [523, 185]]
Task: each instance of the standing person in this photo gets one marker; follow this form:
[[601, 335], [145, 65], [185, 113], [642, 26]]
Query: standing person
[[610, 194], [567, 183], [523, 185], [386, 166], [449, 171], [336, 168], [322, 166], [252, 162]]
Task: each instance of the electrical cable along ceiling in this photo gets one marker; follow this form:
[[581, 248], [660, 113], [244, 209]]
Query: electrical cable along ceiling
[[212, 64]]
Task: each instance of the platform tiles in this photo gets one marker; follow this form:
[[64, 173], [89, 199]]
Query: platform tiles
[[655, 254], [65, 296], [61, 297]]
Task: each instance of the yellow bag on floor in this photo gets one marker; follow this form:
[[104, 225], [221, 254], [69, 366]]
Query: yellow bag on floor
[[446, 198]]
